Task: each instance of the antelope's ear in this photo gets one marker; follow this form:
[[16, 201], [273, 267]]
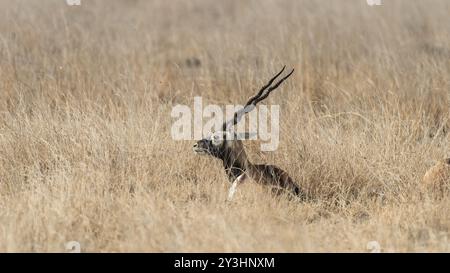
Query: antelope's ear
[[247, 136], [217, 138]]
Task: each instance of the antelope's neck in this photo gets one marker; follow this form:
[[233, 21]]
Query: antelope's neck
[[236, 163]]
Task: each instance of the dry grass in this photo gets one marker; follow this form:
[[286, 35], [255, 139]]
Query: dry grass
[[85, 147]]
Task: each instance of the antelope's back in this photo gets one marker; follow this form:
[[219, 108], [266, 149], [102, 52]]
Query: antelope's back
[[275, 176]]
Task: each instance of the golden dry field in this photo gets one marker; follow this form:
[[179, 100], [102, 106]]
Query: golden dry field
[[86, 152]]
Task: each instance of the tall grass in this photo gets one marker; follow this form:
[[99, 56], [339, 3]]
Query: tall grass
[[85, 147]]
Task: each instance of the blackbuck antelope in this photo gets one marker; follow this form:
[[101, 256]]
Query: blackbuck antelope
[[437, 178], [227, 146]]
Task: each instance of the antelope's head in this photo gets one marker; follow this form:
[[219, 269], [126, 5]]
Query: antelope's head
[[226, 144], [218, 144]]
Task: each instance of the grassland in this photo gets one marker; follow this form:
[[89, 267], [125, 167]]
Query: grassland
[[86, 152]]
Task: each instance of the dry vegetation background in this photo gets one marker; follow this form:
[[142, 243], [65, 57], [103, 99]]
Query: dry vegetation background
[[85, 147]]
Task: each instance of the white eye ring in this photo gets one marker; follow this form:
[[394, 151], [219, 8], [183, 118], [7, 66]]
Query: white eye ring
[[217, 139]]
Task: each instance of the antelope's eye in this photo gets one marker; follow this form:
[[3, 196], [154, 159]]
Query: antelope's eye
[[217, 139]]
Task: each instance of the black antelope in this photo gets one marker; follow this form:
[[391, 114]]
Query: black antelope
[[226, 146]]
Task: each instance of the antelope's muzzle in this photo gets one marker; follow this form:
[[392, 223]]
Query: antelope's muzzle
[[202, 147]]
